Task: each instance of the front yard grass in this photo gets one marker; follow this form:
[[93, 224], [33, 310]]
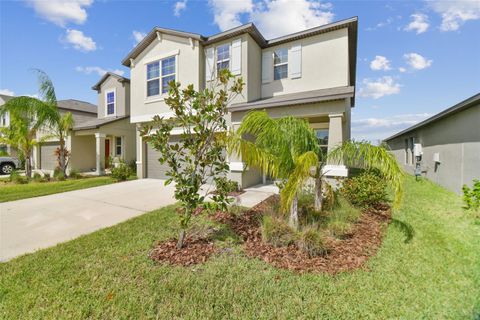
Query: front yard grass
[[10, 192], [431, 272]]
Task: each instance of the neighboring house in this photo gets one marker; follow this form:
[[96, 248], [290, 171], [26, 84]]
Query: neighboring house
[[5, 122], [109, 137], [44, 157], [308, 74], [450, 142]]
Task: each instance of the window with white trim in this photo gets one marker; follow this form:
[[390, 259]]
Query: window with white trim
[[223, 57], [280, 64], [159, 75], [118, 146], [110, 102], [322, 138]]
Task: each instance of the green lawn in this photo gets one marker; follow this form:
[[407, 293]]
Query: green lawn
[[10, 192], [107, 275]]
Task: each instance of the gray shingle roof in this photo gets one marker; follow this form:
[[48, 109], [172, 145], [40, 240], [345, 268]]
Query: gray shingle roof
[[465, 104], [77, 105], [97, 85], [97, 123], [305, 97]]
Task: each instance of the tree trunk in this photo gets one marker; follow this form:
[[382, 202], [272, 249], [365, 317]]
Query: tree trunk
[[293, 221], [28, 167], [181, 238], [318, 193]]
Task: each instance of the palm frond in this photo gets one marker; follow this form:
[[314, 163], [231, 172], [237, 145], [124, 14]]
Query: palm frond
[[46, 88], [297, 178]]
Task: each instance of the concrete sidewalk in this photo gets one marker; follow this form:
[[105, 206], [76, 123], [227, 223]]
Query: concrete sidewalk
[[35, 223]]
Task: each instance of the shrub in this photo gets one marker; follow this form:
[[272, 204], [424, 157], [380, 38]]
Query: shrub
[[339, 228], [227, 184], [58, 174], [74, 174], [37, 177], [277, 232], [311, 241], [364, 190], [46, 176], [471, 196], [121, 172], [16, 178]]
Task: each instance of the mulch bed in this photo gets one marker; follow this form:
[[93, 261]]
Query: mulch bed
[[343, 254], [347, 254], [194, 251]]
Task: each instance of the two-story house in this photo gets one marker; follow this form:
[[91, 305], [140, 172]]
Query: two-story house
[[308, 74], [5, 122]]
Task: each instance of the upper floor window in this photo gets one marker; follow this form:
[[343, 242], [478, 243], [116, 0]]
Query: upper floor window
[[110, 97], [280, 64], [159, 78], [223, 57]]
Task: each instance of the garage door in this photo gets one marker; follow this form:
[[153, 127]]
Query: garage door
[[48, 159], [155, 170]]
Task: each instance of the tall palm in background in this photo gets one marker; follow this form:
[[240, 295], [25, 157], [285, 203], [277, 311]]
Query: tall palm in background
[[287, 149], [27, 117], [61, 124]]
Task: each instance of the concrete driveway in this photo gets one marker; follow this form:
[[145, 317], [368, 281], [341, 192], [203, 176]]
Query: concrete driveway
[[31, 224]]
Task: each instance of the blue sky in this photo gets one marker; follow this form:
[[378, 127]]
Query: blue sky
[[414, 58]]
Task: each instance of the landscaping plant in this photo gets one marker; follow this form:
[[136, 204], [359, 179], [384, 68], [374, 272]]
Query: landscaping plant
[[122, 171], [471, 196], [365, 189], [199, 154]]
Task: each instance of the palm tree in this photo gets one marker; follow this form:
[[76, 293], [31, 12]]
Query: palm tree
[[61, 124], [27, 116], [287, 149]]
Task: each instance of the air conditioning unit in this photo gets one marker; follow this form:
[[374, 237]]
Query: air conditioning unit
[[417, 150], [436, 157]]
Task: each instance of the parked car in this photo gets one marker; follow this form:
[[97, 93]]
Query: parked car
[[8, 164]]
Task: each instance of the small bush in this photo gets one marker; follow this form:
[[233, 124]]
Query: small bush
[[37, 177], [46, 176], [311, 241], [74, 174], [16, 178], [339, 228], [471, 196], [58, 174], [277, 232], [121, 172], [365, 190], [227, 184]]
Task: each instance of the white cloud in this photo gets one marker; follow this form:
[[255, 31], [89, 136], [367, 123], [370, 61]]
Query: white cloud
[[380, 63], [227, 13], [79, 41], [138, 36], [273, 17], [374, 129], [7, 92], [402, 69], [419, 23], [98, 70], [61, 12], [378, 88], [417, 61], [179, 7], [456, 13]]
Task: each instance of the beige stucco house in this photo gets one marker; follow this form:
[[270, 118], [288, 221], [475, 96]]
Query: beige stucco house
[[448, 144], [308, 74], [5, 122]]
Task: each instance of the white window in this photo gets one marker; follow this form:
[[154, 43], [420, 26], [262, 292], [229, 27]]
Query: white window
[[223, 57], [118, 146], [322, 137], [159, 74], [280, 64], [110, 100]]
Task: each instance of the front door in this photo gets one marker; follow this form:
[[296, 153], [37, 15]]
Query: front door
[[107, 153]]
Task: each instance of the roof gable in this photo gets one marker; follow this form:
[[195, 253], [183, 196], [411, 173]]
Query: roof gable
[[107, 75]]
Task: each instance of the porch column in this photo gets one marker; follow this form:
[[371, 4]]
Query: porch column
[[140, 151], [100, 153], [335, 138]]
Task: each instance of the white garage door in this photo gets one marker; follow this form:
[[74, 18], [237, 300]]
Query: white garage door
[[48, 159]]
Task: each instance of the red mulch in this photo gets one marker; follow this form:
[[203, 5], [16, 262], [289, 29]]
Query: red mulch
[[343, 255], [193, 252]]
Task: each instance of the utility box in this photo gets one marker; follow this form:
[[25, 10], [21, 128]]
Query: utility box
[[417, 150], [436, 157]]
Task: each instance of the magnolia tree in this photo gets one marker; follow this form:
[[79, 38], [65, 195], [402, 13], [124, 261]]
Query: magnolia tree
[[197, 154]]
